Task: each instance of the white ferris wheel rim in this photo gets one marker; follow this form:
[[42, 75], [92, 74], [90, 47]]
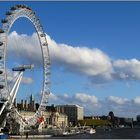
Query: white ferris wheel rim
[[16, 13]]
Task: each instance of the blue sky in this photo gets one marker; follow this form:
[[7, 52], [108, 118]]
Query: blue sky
[[111, 27]]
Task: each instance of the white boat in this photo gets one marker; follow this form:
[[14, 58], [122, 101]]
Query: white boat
[[91, 131], [48, 136], [65, 133]]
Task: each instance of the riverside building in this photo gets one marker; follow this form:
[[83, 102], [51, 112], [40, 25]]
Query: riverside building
[[74, 112]]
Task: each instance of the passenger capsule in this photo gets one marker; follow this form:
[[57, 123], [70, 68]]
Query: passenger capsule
[[48, 73], [48, 63], [45, 44], [47, 83], [4, 21], [1, 86], [1, 71], [24, 6], [28, 8], [18, 6], [42, 35], [33, 12], [1, 31], [8, 13], [21, 6], [1, 43], [3, 100], [13, 8]]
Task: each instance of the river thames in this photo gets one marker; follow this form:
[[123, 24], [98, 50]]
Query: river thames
[[117, 133]]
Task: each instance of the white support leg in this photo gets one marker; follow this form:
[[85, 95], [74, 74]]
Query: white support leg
[[13, 93], [15, 87]]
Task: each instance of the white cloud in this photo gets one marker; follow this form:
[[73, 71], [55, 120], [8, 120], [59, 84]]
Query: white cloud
[[127, 69], [89, 102], [24, 47], [66, 95], [77, 98], [93, 63], [85, 98], [27, 80], [53, 97], [117, 100], [90, 62], [93, 106], [137, 100]]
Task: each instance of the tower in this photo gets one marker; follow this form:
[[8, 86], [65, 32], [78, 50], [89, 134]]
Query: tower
[[32, 103], [22, 105], [26, 105], [31, 99]]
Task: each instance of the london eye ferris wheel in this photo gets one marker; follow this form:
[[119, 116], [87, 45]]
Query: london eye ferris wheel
[[7, 95]]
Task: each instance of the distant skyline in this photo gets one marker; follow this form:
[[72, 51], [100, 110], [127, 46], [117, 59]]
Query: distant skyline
[[94, 49]]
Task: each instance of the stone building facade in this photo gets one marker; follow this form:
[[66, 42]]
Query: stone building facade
[[74, 112]]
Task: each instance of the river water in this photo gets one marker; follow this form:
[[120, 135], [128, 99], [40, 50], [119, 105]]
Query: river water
[[118, 133]]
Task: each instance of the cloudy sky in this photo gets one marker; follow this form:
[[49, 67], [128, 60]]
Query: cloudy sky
[[94, 49]]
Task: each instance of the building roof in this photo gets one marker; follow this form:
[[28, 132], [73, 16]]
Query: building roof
[[70, 105]]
